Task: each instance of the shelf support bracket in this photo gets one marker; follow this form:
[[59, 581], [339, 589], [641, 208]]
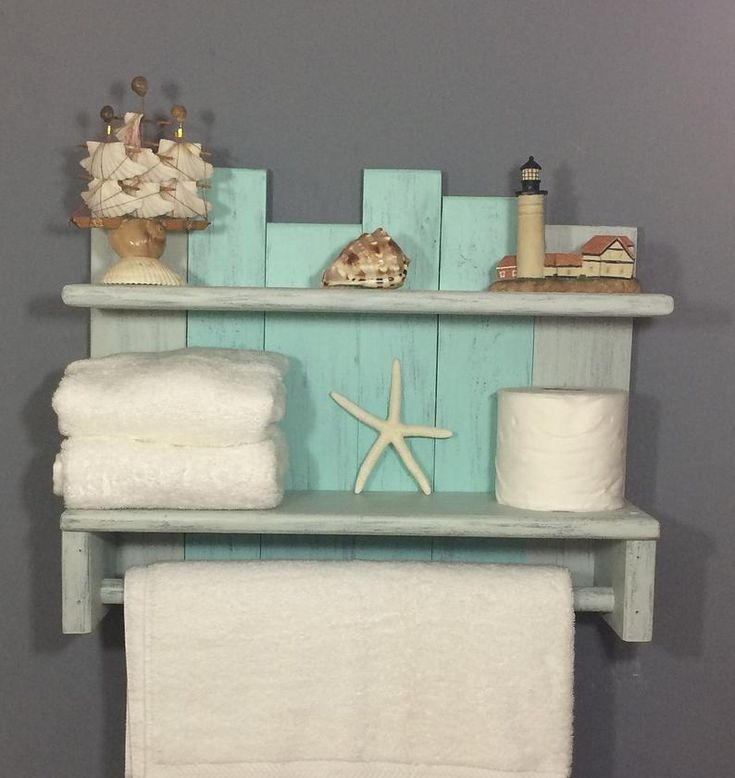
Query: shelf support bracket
[[628, 566], [84, 561]]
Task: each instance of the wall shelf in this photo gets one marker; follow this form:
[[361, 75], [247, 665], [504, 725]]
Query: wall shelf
[[476, 343], [447, 514], [98, 546], [403, 301]]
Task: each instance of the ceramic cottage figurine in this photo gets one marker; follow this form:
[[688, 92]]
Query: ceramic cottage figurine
[[139, 190], [374, 260], [605, 263]]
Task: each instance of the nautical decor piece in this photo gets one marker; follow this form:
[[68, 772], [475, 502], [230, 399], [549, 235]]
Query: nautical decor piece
[[392, 432], [139, 189], [605, 263], [374, 260], [531, 201], [561, 449]]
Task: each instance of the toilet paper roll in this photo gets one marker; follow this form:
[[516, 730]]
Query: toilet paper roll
[[561, 449]]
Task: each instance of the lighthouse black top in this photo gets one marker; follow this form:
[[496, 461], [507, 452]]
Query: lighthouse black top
[[531, 178]]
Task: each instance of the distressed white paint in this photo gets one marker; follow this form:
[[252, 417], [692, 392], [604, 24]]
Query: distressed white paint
[[338, 300], [446, 514], [613, 573], [112, 332], [629, 568], [579, 352], [115, 331], [84, 560]]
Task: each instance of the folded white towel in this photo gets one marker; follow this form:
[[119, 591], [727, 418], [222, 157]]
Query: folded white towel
[[106, 473], [197, 396], [348, 670]]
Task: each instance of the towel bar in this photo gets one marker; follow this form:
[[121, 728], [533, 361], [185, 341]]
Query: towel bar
[[593, 599]]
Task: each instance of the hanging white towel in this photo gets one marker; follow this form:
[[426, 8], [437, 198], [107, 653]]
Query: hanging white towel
[[190, 397], [102, 473], [348, 670]]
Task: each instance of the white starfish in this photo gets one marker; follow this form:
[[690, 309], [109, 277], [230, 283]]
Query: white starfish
[[392, 433]]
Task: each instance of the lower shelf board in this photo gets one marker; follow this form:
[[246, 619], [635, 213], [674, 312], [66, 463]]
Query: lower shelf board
[[445, 514], [98, 546]]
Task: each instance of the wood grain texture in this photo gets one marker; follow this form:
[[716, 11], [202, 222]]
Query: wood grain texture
[[611, 557], [408, 204], [629, 568], [579, 352], [448, 514], [420, 302], [230, 253], [322, 439], [476, 357], [84, 558], [115, 331]]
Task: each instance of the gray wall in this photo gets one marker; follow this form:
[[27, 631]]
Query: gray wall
[[630, 107]]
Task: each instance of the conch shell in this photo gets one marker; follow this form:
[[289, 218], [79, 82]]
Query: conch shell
[[374, 260]]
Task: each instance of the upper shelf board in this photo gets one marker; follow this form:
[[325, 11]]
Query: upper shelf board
[[446, 514], [334, 300]]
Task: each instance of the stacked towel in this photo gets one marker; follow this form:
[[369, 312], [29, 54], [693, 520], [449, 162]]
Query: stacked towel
[[348, 670], [193, 428]]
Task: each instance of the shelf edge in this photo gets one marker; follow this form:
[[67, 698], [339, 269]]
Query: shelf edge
[[410, 301]]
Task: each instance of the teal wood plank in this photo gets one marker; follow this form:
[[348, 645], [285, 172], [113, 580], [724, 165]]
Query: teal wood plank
[[407, 203], [231, 252], [476, 357], [322, 353]]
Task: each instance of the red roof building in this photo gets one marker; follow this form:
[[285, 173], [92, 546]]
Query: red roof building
[[604, 255]]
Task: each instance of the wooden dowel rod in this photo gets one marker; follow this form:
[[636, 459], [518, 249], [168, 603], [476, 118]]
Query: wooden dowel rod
[[591, 599]]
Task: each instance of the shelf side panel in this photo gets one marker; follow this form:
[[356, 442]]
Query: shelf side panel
[[322, 438], [231, 252], [477, 356]]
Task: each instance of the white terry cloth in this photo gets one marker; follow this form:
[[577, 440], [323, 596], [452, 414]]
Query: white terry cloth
[[195, 396], [100, 473], [348, 670]]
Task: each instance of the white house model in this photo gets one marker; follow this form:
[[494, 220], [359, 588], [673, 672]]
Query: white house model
[[604, 256]]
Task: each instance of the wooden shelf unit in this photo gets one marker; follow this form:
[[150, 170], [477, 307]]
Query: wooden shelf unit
[[242, 266]]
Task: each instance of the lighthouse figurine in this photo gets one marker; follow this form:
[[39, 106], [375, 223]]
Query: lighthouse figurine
[[531, 246], [604, 263]]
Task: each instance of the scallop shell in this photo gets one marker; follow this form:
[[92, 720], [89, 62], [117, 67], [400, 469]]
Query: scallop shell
[[374, 260], [141, 270]]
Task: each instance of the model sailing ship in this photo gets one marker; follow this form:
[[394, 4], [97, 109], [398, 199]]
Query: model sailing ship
[[139, 190]]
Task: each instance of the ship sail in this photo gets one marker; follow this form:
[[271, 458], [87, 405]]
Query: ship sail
[[183, 197], [129, 133], [183, 160], [110, 161], [149, 201], [107, 198], [132, 178]]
